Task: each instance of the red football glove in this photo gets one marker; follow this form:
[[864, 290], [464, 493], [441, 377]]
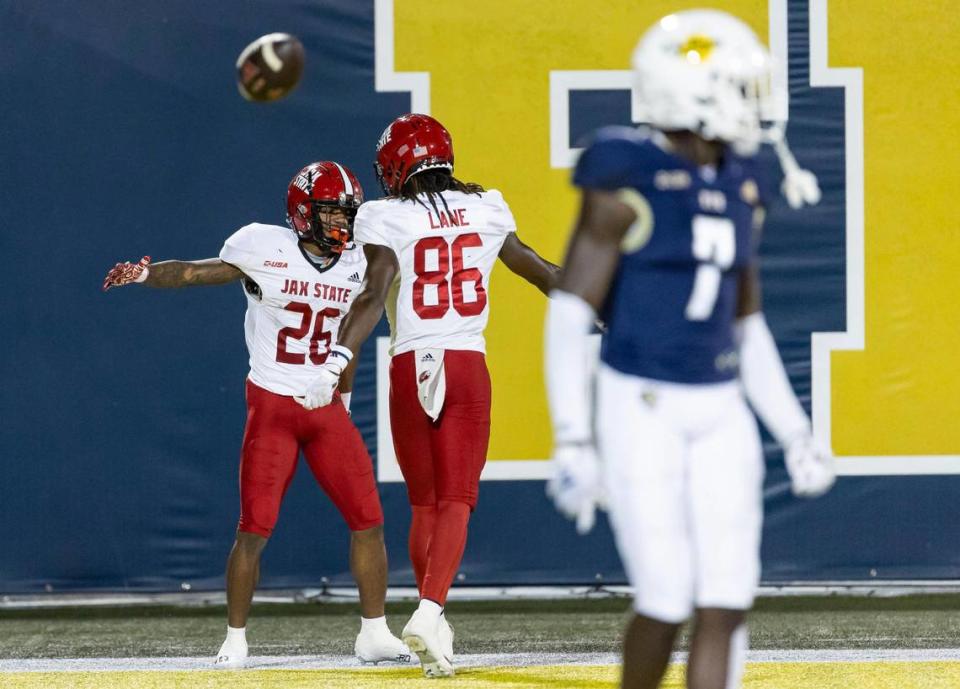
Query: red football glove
[[125, 273]]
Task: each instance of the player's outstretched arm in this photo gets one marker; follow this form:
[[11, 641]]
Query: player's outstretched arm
[[592, 259], [768, 390], [361, 319], [528, 264], [210, 271]]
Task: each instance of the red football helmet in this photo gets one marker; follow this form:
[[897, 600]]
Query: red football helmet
[[411, 144], [319, 186]]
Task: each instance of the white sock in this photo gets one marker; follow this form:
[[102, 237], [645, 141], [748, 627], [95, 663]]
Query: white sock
[[374, 624], [739, 645], [236, 633], [433, 609]]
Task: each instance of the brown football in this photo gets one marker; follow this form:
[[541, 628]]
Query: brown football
[[270, 67]]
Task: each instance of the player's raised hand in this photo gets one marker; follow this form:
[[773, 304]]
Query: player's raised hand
[[575, 484], [810, 467], [125, 273]]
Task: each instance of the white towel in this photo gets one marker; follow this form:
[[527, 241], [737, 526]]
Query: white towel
[[431, 381]]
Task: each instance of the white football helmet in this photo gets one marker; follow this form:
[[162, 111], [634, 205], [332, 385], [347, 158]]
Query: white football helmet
[[706, 71]]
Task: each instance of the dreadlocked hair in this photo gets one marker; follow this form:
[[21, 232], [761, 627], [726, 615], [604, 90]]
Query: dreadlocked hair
[[433, 183]]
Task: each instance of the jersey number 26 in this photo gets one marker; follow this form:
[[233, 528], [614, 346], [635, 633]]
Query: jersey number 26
[[319, 339]]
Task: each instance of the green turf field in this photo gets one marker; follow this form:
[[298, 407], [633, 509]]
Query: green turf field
[[568, 626]]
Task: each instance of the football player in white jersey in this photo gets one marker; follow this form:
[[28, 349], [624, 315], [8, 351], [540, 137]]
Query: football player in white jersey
[[441, 237], [664, 250], [299, 282]]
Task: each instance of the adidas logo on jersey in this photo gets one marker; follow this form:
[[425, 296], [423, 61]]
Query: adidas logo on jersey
[[427, 357], [354, 278]]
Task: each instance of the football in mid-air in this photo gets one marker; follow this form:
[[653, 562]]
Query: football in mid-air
[[270, 67]]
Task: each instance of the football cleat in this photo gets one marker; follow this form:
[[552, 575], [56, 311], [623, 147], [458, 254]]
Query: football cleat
[[422, 636], [372, 647], [232, 654], [446, 638]]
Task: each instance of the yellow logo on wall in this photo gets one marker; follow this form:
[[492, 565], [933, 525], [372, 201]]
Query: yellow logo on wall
[[492, 74], [488, 71]]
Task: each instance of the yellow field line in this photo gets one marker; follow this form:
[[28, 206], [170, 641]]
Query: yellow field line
[[807, 675]]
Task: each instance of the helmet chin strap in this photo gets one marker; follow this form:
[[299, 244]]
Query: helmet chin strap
[[800, 186]]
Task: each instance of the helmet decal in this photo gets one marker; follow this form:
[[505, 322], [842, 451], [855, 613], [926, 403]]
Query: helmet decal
[[697, 48], [410, 144]]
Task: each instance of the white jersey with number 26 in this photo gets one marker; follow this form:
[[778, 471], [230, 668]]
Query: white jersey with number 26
[[445, 261], [294, 308]]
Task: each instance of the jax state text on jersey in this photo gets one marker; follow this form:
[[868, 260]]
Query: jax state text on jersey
[[294, 306], [319, 290]]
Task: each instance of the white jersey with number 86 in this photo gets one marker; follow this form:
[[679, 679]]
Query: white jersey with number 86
[[445, 257]]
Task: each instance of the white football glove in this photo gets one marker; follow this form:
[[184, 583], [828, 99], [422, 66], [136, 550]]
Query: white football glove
[[801, 189], [321, 389], [575, 484], [810, 467]]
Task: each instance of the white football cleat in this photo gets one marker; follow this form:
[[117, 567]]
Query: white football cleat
[[375, 646], [422, 636], [232, 654], [446, 638]]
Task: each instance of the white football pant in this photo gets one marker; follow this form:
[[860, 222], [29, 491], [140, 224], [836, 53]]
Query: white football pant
[[683, 468]]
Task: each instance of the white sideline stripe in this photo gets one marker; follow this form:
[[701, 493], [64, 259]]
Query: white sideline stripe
[[334, 595], [333, 662]]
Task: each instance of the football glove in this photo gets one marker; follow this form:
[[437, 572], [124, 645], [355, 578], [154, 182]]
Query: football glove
[[125, 273], [321, 390], [810, 467], [575, 483]]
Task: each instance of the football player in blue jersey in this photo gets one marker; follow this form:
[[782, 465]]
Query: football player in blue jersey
[[665, 252]]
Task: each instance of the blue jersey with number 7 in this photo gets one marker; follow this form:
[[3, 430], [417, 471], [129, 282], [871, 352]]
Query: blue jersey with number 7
[[672, 304]]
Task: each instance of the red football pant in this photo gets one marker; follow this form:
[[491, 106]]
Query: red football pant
[[278, 428], [441, 462]]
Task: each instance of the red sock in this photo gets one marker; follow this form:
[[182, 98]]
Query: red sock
[[421, 531], [446, 549]]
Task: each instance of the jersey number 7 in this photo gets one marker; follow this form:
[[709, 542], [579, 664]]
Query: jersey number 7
[[447, 287], [714, 245]]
